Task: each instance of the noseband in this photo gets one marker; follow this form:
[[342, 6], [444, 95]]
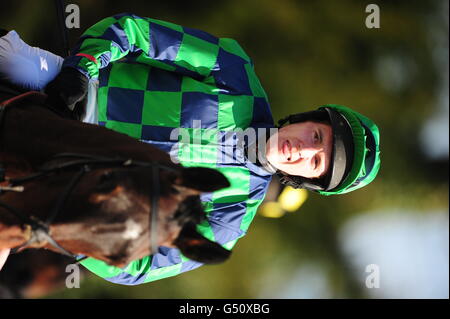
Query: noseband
[[38, 230]]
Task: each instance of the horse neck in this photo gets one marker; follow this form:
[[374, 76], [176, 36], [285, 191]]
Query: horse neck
[[35, 134]]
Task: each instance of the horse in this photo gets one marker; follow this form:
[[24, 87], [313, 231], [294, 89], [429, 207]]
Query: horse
[[83, 189]]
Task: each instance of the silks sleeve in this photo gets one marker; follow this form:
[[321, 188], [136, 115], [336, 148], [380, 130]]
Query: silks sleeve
[[157, 43], [167, 262]]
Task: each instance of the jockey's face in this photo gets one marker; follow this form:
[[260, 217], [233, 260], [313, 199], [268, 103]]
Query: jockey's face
[[301, 149]]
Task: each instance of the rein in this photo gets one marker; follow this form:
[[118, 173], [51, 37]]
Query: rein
[[39, 231]]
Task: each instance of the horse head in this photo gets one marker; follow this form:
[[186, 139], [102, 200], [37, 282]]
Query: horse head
[[102, 210], [108, 213]]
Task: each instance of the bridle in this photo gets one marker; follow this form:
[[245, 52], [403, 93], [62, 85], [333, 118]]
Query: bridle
[[38, 230]]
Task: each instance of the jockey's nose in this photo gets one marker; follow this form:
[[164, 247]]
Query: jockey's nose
[[308, 152]]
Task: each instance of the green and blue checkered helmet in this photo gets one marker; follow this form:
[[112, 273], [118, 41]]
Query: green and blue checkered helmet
[[355, 159]]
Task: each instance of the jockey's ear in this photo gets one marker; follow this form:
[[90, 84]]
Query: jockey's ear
[[196, 247], [202, 179]]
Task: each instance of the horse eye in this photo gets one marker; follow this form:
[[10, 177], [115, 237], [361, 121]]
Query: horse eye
[[106, 176], [106, 182]]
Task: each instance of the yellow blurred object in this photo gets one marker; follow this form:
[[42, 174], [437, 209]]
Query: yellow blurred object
[[271, 210], [291, 198]]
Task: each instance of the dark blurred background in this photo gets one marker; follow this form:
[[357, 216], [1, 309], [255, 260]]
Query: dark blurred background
[[310, 53]]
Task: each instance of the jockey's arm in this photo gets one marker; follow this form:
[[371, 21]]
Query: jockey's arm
[[156, 43], [159, 44]]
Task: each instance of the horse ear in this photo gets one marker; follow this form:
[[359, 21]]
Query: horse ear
[[203, 179], [196, 247]]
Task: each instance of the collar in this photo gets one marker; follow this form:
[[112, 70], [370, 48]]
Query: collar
[[254, 150]]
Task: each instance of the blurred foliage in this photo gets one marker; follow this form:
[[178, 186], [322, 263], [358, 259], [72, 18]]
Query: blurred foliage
[[306, 53]]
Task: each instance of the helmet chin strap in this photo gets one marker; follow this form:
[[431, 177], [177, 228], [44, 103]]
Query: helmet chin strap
[[299, 182]]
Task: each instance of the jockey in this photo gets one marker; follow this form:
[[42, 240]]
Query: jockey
[[198, 98]]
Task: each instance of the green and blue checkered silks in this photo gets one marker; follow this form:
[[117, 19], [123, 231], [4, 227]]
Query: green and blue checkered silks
[[156, 77]]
